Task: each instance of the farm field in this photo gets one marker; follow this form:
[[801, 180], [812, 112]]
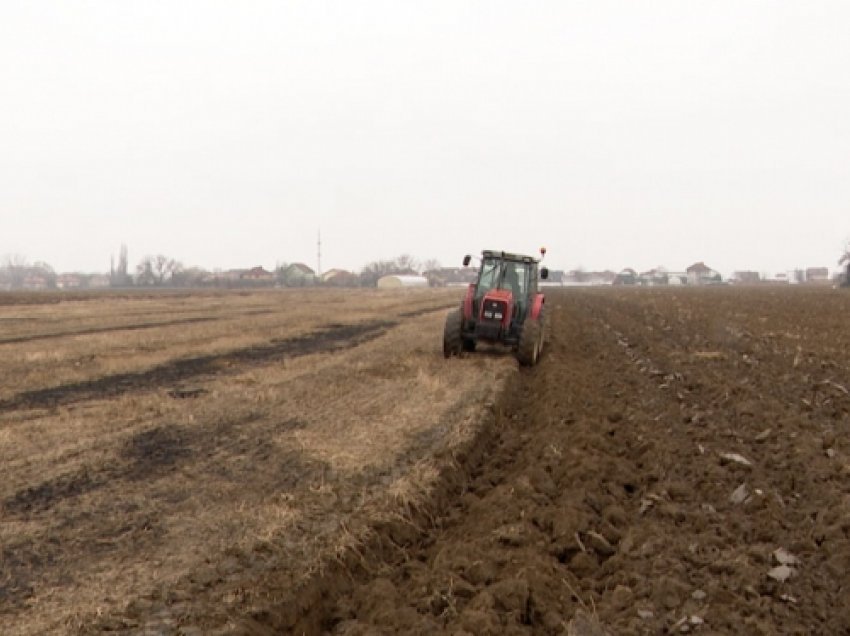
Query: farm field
[[307, 462], [150, 443]]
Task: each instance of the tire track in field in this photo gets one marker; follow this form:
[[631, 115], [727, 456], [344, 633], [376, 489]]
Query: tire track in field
[[93, 331], [334, 337], [98, 330]]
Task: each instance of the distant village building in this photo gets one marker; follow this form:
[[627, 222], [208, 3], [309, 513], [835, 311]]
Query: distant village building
[[35, 282], [677, 278], [99, 281], [746, 277], [701, 274], [819, 275], [581, 278], [626, 276], [69, 281], [556, 277], [402, 280], [256, 274], [297, 275], [340, 278], [781, 277], [451, 276], [653, 278], [605, 277]]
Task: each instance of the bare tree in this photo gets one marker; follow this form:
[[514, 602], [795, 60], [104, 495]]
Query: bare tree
[[401, 265], [46, 271], [14, 270], [431, 265], [119, 276], [406, 264], [157, 270], [845, 260], [370, 274], [189, 277]]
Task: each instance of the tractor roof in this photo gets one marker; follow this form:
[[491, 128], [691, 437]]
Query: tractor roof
[[507, 256]]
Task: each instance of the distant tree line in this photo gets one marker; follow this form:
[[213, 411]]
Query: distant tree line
[[16, 272], [160, 270]]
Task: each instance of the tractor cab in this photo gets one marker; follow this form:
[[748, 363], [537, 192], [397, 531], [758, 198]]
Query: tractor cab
[[504, 278]]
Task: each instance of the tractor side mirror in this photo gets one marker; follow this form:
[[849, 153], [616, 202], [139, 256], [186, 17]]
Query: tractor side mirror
[[466, 260], [544, 273]]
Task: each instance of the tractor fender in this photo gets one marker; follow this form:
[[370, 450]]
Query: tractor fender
[[467, 302], [537, 306]]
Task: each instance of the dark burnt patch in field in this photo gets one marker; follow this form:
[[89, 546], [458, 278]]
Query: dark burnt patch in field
[[46, 494], [156, 451], [17, 562], [335, 337]]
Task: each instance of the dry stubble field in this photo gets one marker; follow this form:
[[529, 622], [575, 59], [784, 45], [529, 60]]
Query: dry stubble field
[[306, 462]]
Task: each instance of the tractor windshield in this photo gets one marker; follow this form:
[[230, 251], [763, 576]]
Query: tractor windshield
[[500, 274], [491, 270]]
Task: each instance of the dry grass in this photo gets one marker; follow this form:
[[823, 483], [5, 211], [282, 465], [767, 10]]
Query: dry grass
[[109, 336], [106, 500]]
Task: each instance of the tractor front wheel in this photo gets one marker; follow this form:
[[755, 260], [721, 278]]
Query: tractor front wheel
[[453, 334], [530, 342]]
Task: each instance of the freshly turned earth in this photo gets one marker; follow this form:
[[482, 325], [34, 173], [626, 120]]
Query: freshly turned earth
[[651, 475]]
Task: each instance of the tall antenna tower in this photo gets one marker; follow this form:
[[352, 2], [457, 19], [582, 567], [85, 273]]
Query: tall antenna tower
[[319, 254]]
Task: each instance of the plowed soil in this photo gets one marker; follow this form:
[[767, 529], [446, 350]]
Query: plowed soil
[[678, 462], [670, 454]]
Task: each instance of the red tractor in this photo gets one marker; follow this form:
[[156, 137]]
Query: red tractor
[[502, 307]]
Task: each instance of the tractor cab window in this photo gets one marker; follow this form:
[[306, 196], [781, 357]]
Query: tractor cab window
[[515, 279], [512, 276], [489, 277], [499, 274]]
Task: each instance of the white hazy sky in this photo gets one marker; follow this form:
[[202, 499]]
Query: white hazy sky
[[225, 134]]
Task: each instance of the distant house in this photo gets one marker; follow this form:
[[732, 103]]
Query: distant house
[[297, 275], [99, 281], [653, 278], [817, 275], [256, 274], [601, 278], [340, 278], [746, 277], [35, 282], [555, 277], [69, 281], [331, 273], [701, 274], [677, 278], [626, 276], [780, 278]]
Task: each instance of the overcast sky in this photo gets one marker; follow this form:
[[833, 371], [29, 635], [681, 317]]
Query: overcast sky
[[226, 134]]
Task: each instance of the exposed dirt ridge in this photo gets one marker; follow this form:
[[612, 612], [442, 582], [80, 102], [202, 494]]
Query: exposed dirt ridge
[[332, 337]]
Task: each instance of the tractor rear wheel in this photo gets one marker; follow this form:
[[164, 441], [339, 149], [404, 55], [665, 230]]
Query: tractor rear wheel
[[544, 331], [530, 342], [452, 334]]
